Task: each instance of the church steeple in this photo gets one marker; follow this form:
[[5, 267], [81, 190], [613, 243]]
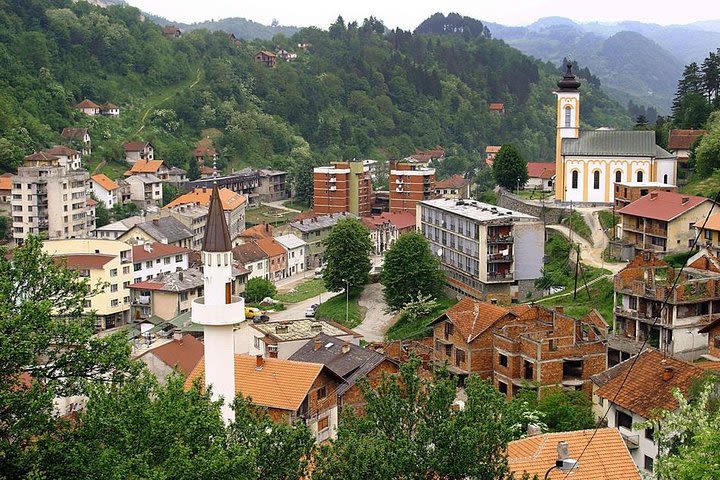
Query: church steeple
[[568, 83], [217, 235], [567, 126]]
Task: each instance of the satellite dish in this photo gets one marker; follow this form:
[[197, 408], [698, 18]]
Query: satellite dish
[[439, 252]]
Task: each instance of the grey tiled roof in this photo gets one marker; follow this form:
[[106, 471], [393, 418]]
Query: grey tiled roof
[[613, 143], [303, 329], [168, 228], [320, 222]]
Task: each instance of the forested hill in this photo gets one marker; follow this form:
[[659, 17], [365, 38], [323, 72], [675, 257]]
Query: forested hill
[[356, 91]]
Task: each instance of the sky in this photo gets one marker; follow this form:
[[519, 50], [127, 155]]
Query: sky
[[408, 14]]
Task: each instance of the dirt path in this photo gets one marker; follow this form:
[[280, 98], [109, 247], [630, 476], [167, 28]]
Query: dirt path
[[377, 320], [279, 205]]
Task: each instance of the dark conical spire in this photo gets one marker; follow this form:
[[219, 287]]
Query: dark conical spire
[[568, 83], [217, 236]]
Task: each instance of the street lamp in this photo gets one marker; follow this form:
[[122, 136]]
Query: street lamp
[[517, 186], [563, 463], [347, 300]]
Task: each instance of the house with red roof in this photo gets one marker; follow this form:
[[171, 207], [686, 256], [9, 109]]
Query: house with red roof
[[141, 150], [172, 31], [67, 157], [541, 176], [104, 189], [180, 355], [88, 107], [387, 227], [79, 137], [497, 107], [267, 57], [680, 141], [662, 222], [491, 152], [455, 187]]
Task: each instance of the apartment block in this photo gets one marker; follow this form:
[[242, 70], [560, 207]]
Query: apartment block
[[313, 231], [273, 185], [641, 289], [49, 199], [410, 182], [486, 252], [342, 187]]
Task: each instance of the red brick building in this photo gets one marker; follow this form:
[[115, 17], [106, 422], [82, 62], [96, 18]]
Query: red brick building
[[410, 182], [342, 187]]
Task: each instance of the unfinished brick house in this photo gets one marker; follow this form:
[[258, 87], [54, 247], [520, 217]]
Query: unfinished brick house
[[713, 332], [544, 348], [640, 290]]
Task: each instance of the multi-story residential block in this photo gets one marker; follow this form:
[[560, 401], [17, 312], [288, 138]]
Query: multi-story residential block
[[145, 190], [245, 182], [6, 193], [454, 187], [167, 230], [49, 199], [90, 216], [342, 187], [103, 262], [104, 189], [150, 260], [313, 230], [77, 138], [628, 192], [662, 222], [295, 248], [177, 176], [233, 205], [273, 185], [632, 399], [486, 251], [641, 290], [166, 296], [157, 168], [410, 182], [135, 151], [252, 258]]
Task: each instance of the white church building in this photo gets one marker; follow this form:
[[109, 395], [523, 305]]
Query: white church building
[[589, 162]]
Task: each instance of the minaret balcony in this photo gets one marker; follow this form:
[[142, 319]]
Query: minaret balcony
[[223, 314]]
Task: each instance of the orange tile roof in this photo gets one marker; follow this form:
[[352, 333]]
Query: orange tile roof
[[201, 196], [157, 250], [401, 220], [606, 457], [205, 170], [683, 139], [456, 181], [145, 166], [104, 181], [645, 391], [90, 202], [496, 106], [713, 222], [281, 384], [462, 315], [492, 149], [5, 183], [262, 230], [89, 261], [541, 169], [183, 354], [271, 247], [660, 205], [87, 104], [136, 146]]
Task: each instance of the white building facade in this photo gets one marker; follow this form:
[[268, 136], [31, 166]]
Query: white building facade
[[295, 247]]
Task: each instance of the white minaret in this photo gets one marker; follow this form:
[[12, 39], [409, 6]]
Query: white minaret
[[218, 311]]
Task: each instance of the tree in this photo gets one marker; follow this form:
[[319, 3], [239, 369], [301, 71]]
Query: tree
[[410, 430], [347, 255], [170, 192], [410, 269], [560, 410], [5, 232], [122, 211], [707, 153], [47, 349], [102, 214], [509, 168], [259, 288], [193, 171]]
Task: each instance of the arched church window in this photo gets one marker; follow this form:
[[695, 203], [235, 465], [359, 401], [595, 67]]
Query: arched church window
[[665, 179], [618, 176], [596, 180], [640, 176], [568, 116], [574, 177]]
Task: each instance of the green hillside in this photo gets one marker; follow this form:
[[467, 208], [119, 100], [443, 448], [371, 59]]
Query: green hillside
[[357, 91]]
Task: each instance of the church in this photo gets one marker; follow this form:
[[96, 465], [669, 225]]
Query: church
[[589, 162]]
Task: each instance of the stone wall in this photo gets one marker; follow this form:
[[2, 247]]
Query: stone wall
[[548, 211]]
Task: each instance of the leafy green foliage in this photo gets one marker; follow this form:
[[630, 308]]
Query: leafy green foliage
[[47, 349], [102, 214], [677, 260], [417, 326], [347, 255], [409, 430], [576, 222], [509, 168], [119, 212], [707, 153], [410, 270], [170, 192], [560, 410], [258, 288], [342, 306]]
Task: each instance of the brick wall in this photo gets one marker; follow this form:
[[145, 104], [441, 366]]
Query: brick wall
[[353, 398]]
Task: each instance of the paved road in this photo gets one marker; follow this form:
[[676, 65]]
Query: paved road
[[377, 320]]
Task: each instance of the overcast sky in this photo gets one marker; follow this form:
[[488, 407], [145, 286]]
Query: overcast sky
[[408, 14]]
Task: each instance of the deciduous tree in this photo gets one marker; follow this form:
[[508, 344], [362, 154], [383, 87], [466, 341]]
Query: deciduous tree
[[259, 288], [347, 255], [509, 168]]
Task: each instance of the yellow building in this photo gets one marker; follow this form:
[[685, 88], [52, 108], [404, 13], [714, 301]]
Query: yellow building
[[107, 263], [587, 163]]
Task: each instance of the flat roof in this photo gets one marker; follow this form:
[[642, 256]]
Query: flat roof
[[474, 210], [302, 329]]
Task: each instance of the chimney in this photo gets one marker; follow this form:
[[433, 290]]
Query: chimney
[[533, 430], [668, 374], [560, 309], [259, 362], [178, 337], [653, 195], [345, 348], [317, 344], [685, 200], [156, 221], [180, 276], [493, 301]]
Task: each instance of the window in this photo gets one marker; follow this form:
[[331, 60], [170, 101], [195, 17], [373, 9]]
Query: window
[[256, 342], [639, 176], [596, 180], [708, 235], [178, 258], [126, 284], [114, 302], [113, 287], [148, 264], [503, 360], [157, 261], [166, 260], [649, 463], [448, 329], [126, 300], [618, 176], [323, 424], [126, 270], [113, 272], [137, 267], [649, 432], [322, 392], [502, 386], [568, 116], [459, 357], [665, 179], [574, 181], [622, 419]]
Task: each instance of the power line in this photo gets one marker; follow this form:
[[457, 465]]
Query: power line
[[655, 320]]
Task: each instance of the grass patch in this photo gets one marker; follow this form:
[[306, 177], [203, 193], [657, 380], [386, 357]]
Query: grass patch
[[308, 289], [334, 309], [276, 307], [677, 260], [533, 194], [577, 224], [406, 327], [608, 221], [558, 271], [704, 187], [487, 196], [111, 168], [600, 298], [295, 205], [265, 214]]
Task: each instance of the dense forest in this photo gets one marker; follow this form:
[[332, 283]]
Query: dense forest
[[354, 90]]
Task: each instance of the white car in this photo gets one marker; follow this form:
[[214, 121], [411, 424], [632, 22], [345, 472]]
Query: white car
[[311, 310]]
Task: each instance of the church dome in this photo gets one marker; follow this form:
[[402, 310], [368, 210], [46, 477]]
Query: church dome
[[568, 83]]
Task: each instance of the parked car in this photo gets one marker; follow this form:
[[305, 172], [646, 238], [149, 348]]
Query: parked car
[[319, 272], [311, 310], [252, 312]]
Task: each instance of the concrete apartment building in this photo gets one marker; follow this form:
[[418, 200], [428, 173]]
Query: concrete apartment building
[[166, 296], [245, 182], [104, 189], [252, 258], [313, 231], [662, 222], [342, 187], [48, 199], [486, 251], [101, 262], [410, 182], [145, 190], [192, 216], [150, 260], [273, 185]]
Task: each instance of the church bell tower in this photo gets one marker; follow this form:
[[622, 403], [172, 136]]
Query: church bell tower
[[568, 124]]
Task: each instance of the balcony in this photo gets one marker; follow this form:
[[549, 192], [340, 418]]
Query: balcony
[[501, 239], [499, 258], [332, 180], [656, 231], [500, 277], [632, 441], [141, 300]]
